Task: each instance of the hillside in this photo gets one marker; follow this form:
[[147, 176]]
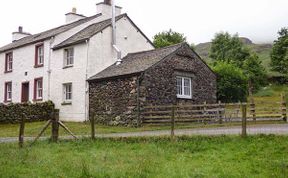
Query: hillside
[[262, 50]]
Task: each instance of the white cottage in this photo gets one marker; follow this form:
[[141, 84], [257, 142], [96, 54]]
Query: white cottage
[[55, 64]]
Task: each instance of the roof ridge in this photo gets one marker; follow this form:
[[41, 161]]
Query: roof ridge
[[60, 45]]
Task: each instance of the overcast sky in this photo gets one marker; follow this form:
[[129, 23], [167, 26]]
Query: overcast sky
[[199, 20]]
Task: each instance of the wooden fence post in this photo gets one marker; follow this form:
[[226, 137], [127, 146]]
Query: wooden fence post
[[244, 120], [283, 107], [21, 132], [219, 112], [92, 125], [55, 126], [173, 122], [253, 108]]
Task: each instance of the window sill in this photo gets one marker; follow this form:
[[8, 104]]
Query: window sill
[[38, 66], [37, 100], [8, 101], [65, 67], [5, 72], [66, 103], [184, 97]]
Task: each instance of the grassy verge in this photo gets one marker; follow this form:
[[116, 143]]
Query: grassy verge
[[224, 156]]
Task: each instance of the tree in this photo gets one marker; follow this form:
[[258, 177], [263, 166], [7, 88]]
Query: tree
[[231, 82], [228, 48], [279, 54], [255, 72], [168, 38]]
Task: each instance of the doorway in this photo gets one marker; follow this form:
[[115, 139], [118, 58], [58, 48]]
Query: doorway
[[25, 92]]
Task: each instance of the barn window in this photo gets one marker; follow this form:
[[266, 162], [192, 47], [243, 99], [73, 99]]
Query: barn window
[[184, 87]]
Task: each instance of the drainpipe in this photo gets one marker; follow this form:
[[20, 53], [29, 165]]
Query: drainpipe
[[49, 68], [86, 83], [115, 47]]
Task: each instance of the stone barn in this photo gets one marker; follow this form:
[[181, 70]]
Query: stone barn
[[170, 75]]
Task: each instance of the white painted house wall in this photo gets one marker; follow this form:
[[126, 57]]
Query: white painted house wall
[[89, 58]]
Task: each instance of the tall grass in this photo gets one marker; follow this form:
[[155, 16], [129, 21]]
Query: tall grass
[[223, 156]]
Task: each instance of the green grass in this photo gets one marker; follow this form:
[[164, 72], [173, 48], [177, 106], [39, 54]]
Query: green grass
[[271, 93], [223, 156]]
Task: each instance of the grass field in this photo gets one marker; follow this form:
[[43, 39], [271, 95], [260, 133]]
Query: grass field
[[255, 156]]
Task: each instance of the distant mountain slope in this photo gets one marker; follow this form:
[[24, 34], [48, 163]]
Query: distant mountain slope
[[262, 50]]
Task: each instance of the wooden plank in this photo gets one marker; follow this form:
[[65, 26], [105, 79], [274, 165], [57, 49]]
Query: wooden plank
[[66, 128]]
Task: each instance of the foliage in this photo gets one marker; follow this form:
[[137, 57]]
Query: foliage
[[222, 156], [231, 82], [13, 113], [168, 38], [279, 54], [228, 48], [255, 72]]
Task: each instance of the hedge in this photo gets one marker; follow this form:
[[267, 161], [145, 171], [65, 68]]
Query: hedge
[[13, 113]]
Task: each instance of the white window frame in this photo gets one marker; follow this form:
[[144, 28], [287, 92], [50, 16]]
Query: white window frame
[[182, 94], [8, 91], [66, 93], [40, 54], [39, 89], [68, 57]]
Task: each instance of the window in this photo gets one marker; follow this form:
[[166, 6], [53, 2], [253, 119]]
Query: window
[[68, 57], [39, 55], [38, 89], [67, 92], [9, 62], [184, 87], [8, 92]]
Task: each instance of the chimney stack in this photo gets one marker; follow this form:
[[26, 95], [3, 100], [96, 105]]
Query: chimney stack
[[73, 16], [105, 8], [107, 2], [19, 34]]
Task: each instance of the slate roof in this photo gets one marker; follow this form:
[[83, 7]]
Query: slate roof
[[45, 35], [87, 33], [137, 62]]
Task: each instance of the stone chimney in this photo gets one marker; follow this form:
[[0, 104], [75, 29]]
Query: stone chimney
[[106, 9], [19, 34], [73, 16]]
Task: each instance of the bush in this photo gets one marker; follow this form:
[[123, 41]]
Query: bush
[[13, 113], [231, 82]]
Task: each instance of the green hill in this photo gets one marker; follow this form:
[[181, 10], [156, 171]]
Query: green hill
[[262, 50]]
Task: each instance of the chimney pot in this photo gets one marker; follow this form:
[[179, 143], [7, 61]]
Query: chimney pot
[[74, 10], [20, 29]]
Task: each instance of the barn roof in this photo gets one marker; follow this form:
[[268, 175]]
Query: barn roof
[[137, 62], [45, 35]]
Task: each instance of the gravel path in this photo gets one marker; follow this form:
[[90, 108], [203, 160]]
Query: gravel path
[[279, 129]]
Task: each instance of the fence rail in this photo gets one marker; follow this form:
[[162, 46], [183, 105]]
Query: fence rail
[[215, 113]]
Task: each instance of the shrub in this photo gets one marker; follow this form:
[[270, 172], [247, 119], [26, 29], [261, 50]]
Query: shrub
[[231, 82]]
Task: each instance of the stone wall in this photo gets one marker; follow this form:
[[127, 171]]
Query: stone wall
[[14, 112], [114, 101], [160, 80]]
